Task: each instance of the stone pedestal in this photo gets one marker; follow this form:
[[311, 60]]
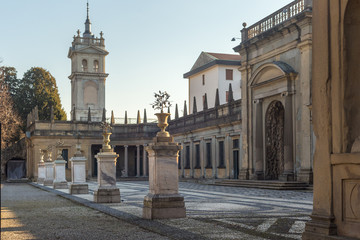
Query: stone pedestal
[[163, 199], [49, 173], [41, 173], [107, 192], [60, 180], [78, 175]]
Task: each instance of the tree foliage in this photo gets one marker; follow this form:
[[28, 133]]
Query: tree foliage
[[36, 88]]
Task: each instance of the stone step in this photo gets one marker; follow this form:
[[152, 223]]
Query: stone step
[[271, 184]]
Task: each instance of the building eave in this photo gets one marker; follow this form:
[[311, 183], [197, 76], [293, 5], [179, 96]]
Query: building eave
[[210, 64]]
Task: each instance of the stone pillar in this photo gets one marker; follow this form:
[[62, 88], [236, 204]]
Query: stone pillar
[[78, 173], [144, 161], [227, 155], [137, 160], [163, 199], [191, 158], [49, 171], [126, 160], [213, 156], [182, 159], [106, 191], [305, 174], [59, 167], [202, 157], [41, 169], [288, 174], [258, 140]]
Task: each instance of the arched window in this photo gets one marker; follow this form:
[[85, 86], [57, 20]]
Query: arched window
[[96, 66], [84, 65]]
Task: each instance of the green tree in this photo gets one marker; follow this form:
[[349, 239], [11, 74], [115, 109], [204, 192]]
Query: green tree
[[9, 78], [38, 88]]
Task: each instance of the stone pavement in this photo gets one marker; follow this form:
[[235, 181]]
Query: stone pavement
[[213, 212]]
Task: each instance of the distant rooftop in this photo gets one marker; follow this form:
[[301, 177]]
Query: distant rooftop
[[208, 59]]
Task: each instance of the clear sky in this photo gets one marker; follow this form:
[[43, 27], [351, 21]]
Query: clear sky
[[151, 43]]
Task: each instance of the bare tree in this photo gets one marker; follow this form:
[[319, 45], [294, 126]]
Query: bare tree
[[9, 120]]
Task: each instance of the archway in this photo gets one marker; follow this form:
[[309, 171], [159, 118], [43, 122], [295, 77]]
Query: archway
[[274, 140], [352, 73]]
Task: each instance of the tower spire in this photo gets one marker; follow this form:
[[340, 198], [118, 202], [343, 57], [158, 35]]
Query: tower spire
[[87, 32]]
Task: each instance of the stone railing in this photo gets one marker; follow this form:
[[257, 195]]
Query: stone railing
[[89, 41], [289, 11], [223, 114]]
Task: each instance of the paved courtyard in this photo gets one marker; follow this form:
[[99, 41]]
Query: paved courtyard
[[213, 212]]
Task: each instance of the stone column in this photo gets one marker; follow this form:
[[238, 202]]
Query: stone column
[[137, 160], [227, 155], [144, 161], [213, 156], [191, 158], [288, 174], [258, 140], [41, 169], [182, 159], [163, 199], [202, 157], [106, 191], [126, 160], [49, 171], [305, 174], [78, 173], [59, 167]]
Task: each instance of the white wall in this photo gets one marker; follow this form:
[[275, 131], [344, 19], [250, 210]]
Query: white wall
[[215, 77]]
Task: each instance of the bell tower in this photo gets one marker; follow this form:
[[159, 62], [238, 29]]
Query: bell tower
[[87, 54]]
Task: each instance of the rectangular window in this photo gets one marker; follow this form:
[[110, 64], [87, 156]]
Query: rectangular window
[[221, 154], [229, 74], [236, 143], [203, 79], [187, 157], [227, 96], [197, 156], [208, 155]]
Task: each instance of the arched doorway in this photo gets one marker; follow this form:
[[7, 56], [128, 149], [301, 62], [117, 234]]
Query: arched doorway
[[352, 73], [274, 140]]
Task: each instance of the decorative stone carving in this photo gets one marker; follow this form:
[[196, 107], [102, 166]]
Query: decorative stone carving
[[274, 140]]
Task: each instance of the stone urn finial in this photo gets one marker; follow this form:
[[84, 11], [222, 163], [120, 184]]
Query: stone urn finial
[[161, 102], [106, 127]]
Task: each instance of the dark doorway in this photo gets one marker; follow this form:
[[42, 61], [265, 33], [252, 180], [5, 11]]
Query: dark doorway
[[274, 140], [236, 163], [16, 169], [95, 149]]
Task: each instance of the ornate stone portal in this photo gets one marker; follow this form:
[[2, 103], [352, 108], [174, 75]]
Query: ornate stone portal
[[274, 141]]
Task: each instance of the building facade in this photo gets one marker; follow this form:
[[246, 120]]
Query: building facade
[[275, 70], [213, 71], [267, 134], [336, 105]]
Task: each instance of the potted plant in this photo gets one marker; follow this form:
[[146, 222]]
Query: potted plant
[[161, 102]]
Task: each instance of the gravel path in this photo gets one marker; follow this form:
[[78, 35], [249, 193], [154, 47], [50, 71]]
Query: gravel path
[[30, 213]]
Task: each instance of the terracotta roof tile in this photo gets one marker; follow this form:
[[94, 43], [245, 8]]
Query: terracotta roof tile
[[223, 56]]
